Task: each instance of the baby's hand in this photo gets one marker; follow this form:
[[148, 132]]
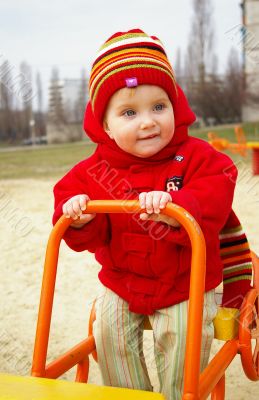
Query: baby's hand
[[154, 202], [73, 208]]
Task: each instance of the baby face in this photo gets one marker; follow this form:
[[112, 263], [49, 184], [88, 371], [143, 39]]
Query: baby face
[[140, 120]]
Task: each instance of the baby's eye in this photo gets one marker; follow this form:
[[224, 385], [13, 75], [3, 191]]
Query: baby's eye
[[129, 113], [159, 107]]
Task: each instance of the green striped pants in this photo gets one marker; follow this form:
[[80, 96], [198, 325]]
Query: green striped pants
[[119, 341]]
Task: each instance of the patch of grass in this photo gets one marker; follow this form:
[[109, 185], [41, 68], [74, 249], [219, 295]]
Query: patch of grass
[[44, 161]]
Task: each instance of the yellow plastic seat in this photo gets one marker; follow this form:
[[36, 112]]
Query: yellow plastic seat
[[28, 388], [226, 323]]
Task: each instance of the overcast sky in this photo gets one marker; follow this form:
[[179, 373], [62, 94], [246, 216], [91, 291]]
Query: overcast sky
[[67, 33]]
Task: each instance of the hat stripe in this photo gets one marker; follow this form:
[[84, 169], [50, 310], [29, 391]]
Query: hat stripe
[[126, 52], [144, 52], [127, 41], [130, 46], [145, 62], [118, 38], [131, 66], [125, 55]]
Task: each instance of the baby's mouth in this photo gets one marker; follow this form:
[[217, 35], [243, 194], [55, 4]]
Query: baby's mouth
[[151, 136]]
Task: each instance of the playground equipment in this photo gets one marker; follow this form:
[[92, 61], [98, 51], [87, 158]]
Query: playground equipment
[[240, 147], [241, 332]]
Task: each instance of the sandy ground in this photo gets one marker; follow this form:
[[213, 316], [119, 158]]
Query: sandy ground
[[25, 210]]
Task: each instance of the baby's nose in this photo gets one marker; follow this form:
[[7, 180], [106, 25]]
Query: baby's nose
[[147, 122]]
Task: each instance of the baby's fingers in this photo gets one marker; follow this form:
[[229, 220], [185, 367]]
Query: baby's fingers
[[157, 196], [73, 209], [83, 199], [166, 197], [65, 209], [142, 200], [149, 202]]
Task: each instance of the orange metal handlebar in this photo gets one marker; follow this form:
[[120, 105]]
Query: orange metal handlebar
[[198, 267]]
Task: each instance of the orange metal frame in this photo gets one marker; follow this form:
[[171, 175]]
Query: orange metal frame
[[196, 385]]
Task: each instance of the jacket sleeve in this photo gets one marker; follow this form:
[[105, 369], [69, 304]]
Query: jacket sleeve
[[207, 194], [92, 235]]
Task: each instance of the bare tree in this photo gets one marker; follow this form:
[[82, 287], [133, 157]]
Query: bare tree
[[234, 85], [178, 67], [7, 128], [199, 58], [190, 70], [214, 65], [40, 126], [39, 92], [56, 113], [222, 98], [26, 114], [80, 104], [202, 34]]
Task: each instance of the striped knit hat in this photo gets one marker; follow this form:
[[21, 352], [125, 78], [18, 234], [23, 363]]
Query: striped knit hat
[[129, 59]]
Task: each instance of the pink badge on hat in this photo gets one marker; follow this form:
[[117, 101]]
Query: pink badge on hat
[[131, 82]]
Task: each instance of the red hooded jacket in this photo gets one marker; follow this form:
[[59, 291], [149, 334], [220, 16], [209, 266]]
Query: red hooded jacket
[[148, 263]]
